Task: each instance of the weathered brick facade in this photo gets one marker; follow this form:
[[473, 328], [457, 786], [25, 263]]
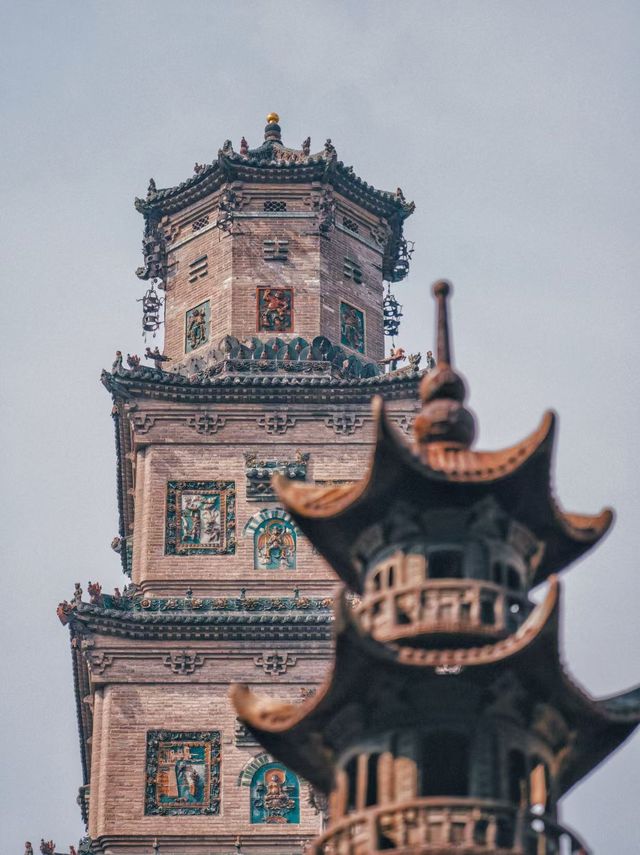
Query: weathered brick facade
[[225, 589]]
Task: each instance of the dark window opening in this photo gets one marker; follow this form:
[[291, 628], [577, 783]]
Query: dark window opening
[[200, 223], [517, 778], [372, 780], [351, 770], [445, 565], [487, 612], [402, 618], [445, 764], [275, 205], [513, 579]]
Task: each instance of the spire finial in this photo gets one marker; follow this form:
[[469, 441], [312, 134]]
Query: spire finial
[[444, 418], [441, 290], [272, 130]]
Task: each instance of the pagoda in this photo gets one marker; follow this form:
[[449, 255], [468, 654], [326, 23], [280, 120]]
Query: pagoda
[[270, 270], [448, 723]]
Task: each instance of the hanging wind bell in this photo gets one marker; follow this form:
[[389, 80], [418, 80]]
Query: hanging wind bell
[[391, 314], [151, 305]]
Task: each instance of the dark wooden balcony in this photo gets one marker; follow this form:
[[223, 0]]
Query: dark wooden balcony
[[440, 826], [472, 608]]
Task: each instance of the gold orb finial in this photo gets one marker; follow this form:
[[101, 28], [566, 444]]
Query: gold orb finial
[[273, 119]]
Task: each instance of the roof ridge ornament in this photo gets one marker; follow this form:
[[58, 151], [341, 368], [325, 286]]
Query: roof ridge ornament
[[443, 419], [272, 132]]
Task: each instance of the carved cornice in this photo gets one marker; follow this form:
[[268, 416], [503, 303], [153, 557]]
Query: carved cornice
[[342, 422]]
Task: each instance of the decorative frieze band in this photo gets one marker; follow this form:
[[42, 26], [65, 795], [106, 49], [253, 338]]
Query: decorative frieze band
[[342, 422], [184, 663]]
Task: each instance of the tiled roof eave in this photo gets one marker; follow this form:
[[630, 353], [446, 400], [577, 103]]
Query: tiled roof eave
[[173, 199]]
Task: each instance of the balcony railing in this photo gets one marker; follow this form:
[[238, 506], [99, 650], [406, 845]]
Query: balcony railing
[[442, 606], [435, 826]]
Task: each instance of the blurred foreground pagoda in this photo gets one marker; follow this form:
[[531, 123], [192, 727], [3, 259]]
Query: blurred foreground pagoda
[[448, 723]]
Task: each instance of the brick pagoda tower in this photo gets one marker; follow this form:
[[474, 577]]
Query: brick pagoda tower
[[269, 264], [448, 724]]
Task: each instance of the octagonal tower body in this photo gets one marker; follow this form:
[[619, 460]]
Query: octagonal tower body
[[255, 255], [271, 243]]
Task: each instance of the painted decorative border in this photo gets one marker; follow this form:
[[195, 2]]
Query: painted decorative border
[[155, 739], [227, 492]]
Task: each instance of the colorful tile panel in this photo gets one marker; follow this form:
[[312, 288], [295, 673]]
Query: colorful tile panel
[[275, 796], [201, 518], [183, 773]]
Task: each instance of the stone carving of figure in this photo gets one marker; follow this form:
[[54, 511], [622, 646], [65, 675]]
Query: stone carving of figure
[[133, 361], [277, 800], [28, 848], [275, 310], [95, 592], [244, 146], [429, 362], [196, 328], [276, 544], [397, 355], [351, 327], [157, 357], [306, 146], [117, 362]]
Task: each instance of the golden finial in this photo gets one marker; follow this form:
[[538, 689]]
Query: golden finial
[[273, 119]]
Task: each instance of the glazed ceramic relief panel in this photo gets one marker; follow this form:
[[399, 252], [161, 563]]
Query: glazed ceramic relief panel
[[274, 540], [183, 773], [200, 518], [196, 332], [275, 796], [352, 327], [275, 310]]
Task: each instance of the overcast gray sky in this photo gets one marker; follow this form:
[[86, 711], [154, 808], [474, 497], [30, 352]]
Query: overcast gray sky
[[514, 127]]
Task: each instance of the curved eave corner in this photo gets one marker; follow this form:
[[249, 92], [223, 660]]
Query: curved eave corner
[[521, 475]]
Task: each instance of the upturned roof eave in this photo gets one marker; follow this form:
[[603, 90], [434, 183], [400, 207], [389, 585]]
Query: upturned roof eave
[[149, 383], [296, 733], [519, 478], [169, 200]]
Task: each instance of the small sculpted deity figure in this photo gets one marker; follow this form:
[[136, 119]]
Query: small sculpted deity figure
[[352, 327], [196, 327], [429, 362], [275, 310], [275, 798], [276, 545]]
